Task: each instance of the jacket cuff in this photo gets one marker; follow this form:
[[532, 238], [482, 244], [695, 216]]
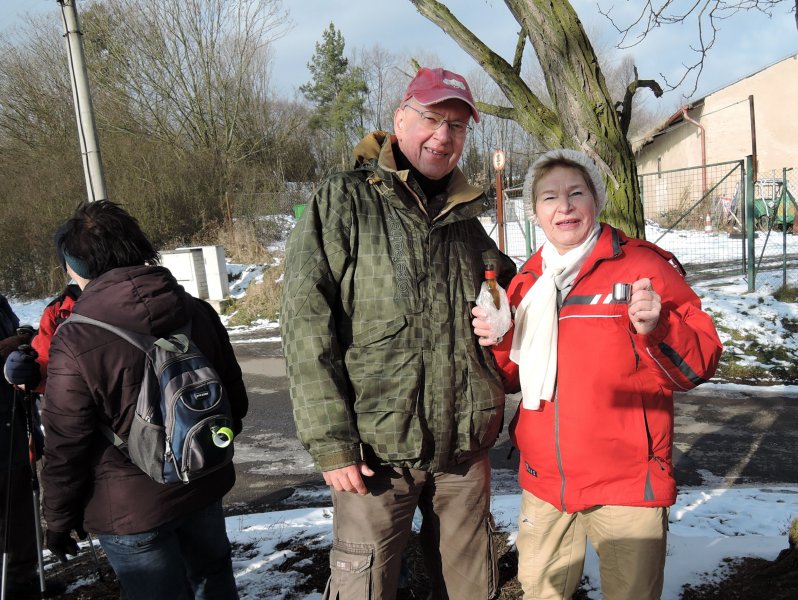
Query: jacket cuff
[[336, 460]]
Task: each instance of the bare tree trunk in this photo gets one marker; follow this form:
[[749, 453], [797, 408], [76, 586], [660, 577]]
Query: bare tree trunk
[[582, 115]]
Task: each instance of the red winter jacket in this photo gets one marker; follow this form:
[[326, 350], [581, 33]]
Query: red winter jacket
[[607, 437], [54, 314]]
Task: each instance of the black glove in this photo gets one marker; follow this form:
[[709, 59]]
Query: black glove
[[60, 543], [27, 332], [21, 368]]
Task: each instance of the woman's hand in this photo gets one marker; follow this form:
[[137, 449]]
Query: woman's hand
[[644, 306]]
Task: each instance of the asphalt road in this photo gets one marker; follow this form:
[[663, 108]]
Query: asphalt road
[[723, 438]]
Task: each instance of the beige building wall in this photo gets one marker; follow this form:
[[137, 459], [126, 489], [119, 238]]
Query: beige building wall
[[724, 118]]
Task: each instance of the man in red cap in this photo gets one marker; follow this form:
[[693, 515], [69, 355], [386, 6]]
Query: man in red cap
[[393, 397]]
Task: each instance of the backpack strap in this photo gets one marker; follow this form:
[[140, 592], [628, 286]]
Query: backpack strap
[[140, 340], [178, 341]]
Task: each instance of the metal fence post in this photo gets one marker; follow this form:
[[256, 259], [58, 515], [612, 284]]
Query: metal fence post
[[749, 221], [784, 199]]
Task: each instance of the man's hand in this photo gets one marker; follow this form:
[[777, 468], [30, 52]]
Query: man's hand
[[60, 543], [644, 306], [349, 479]]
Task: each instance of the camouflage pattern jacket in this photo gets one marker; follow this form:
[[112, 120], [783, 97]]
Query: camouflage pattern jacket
[[376, 320]]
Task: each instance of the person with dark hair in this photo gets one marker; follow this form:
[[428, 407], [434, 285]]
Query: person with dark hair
[[393, 397], [162, 540], [102, 236], [605, 330]]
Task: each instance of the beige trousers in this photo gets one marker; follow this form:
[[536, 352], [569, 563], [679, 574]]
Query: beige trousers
[[630, 542], [370, 534]]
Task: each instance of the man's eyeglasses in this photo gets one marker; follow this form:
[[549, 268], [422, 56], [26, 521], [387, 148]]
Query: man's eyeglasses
[[433, 121]]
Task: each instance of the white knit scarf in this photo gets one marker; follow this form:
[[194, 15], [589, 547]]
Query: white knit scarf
[[535, 338]]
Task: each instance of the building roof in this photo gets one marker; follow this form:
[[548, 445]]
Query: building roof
[[677, 118]]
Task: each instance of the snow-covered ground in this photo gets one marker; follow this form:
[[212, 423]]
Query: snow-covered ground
[[706, 525]]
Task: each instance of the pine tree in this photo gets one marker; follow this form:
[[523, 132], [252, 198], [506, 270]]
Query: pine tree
[[338, 93]]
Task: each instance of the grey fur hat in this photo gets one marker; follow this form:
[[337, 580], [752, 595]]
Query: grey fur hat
[[567, 155]]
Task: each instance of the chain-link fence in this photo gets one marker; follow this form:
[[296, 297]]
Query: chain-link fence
[[521, 238], [774, 209], [704, 204], [737, 231]]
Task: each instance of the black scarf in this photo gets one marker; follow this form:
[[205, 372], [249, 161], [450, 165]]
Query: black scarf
[[433, 191]]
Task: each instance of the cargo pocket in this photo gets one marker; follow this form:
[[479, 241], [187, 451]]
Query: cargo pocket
[[350, 572]]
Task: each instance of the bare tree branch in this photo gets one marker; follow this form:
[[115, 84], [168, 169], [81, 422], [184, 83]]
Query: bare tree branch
[[519, 51], [502, 112], [705, 16], [624, 107], [547, 125]]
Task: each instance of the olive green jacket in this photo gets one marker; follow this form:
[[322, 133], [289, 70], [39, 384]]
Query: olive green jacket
[[376, 320]]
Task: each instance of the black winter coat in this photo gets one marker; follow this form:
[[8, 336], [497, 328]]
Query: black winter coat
[[8, 343]]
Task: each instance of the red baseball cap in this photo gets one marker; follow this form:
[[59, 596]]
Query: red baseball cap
[[431, 86]]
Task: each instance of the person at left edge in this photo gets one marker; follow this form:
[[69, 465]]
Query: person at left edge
[[15, 472], [21, 368], [164, 541]]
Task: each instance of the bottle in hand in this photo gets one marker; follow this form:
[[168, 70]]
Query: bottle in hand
[[493, 287]]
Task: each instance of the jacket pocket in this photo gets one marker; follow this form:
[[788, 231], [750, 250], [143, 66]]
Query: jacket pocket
[[385, 373], [378, 331], [481, 415], [350, 571], [390, 427]]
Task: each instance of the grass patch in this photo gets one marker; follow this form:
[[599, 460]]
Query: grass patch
[[774, 364], [786, 293], [790, 325], [735, 372], [243, 244]]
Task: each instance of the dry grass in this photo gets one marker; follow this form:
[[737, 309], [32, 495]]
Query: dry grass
[[242, 244], [262, 300]]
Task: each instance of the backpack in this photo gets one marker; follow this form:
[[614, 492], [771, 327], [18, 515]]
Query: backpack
[[183, 426]]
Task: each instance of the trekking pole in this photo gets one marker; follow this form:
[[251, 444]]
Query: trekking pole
[[34, 486], [7, 511], [94, 555]]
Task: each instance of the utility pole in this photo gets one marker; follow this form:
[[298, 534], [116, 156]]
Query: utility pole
[[84, 110]]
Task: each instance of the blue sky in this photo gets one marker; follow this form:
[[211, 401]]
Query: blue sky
[[746, 44]]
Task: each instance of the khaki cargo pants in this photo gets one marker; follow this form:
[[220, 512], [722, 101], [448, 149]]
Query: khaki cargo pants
[[629, 540], [370, 533]]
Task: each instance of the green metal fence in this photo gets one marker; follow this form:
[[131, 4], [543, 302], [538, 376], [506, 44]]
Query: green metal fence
[[736, 214]]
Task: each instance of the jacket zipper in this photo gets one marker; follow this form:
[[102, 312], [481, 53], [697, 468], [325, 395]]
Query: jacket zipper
[[557, 447], [660, 461], [556, 401]]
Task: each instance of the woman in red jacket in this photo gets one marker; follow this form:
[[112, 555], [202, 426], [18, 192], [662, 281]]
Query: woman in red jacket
[[605, 329]]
